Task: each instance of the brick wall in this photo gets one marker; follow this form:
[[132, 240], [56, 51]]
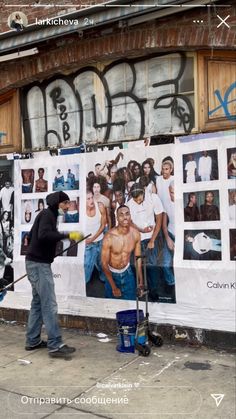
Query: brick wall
[[38, 12]]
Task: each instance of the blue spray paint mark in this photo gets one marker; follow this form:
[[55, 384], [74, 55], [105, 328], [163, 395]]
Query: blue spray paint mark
[[225, 102]]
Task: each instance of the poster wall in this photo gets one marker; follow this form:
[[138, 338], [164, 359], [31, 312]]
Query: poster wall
[[6, 223], [180, 200], [206, 210]]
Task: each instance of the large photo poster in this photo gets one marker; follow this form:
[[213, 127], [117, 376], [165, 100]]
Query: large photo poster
[[139, 200], [112, 179], [137, 188]]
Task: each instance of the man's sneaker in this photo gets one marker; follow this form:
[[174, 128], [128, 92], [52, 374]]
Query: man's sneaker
[[62, 352], [41, 344]]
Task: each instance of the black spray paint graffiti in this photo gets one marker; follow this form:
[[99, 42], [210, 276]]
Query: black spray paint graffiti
[[180, 104], [57, 101], [72, 111], [55, 94]]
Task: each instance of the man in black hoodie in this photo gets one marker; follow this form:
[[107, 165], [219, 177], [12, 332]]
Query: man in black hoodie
[[41, 253]]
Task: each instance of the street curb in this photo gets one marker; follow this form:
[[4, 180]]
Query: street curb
[[173, 334]]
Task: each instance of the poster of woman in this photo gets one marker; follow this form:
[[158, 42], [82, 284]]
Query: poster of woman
[[232, 203], [231, 166]]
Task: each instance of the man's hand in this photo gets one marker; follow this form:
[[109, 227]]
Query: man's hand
[[121, 155], [107, 163], [89, 240], [141, 290], [7, 261], [170, 244], [151, 244], [116, 292], [147, 229]]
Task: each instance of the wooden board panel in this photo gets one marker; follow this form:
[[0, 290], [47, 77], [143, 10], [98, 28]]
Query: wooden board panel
[[5, 123], [216, 90], [10, 128], [221, 93]]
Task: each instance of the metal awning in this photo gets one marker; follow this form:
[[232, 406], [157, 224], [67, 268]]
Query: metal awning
[[99, 15]]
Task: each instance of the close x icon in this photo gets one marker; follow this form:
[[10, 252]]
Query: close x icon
[[223, 21]]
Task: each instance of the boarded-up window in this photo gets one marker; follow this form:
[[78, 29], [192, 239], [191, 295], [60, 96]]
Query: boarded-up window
[[217, 90], [125, 101], [5, 122], [10, 138]]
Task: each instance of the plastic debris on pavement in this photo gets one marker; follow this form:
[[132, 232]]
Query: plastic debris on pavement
[[104, 340], [101, 335], [24, 361]]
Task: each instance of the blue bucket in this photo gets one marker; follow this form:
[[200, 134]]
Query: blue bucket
[[127, 324]]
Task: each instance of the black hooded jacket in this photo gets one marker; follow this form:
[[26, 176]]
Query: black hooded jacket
[[44, 234]]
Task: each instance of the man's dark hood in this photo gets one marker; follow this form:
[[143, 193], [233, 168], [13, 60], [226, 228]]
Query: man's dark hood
[[53, 199]]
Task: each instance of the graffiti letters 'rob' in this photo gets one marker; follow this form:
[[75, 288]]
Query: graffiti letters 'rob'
[[124, 101]]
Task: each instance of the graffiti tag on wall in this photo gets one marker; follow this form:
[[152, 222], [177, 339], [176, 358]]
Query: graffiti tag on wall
[[225, 101], [126, 100]]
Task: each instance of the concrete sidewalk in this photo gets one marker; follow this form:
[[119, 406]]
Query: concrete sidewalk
[[99, 382]]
